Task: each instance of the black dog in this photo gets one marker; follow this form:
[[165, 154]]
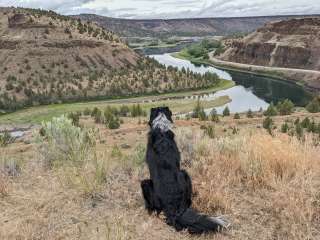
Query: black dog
[[169, 188]]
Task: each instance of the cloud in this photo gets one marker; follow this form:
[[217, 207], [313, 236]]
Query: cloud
[[172, 8]]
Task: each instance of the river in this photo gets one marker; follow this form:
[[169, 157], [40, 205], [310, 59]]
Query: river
[[250, 92]]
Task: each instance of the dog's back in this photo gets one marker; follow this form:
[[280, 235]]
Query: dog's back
[[169, 188]]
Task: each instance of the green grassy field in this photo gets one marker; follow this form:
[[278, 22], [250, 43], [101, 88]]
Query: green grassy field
[[43, 113]]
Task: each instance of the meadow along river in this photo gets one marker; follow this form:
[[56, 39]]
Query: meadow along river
[[251, 91]]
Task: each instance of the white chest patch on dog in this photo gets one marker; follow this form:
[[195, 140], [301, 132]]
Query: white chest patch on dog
[[162, 123]]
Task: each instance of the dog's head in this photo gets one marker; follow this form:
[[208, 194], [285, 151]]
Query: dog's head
[[160, 117]]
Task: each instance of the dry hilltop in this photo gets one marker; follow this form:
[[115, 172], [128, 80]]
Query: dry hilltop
[[48, 58]]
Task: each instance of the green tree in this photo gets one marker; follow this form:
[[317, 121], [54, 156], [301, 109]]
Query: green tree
[[314, 105], [226, 111], [285, 107], [250, 114], [271, 111]]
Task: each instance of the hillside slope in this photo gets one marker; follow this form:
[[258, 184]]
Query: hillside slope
[[181, 27], [48, 58], [292, 43]]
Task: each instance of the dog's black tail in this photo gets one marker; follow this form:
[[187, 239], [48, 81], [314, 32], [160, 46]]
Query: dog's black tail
[[197, 223]]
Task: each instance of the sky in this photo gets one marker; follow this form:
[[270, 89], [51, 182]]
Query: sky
[[173, 8]]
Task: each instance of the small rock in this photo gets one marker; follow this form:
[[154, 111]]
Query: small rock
[[125, 146]]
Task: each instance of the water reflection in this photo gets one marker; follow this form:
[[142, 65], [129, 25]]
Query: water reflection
[[251, 91]]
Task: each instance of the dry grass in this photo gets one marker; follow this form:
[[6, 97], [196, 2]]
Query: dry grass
[[268, 187], [3, 186]]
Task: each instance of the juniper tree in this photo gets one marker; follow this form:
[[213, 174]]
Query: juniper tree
[[226, 111]]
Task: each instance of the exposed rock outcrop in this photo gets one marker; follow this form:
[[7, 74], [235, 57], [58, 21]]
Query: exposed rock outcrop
[[293, 43]]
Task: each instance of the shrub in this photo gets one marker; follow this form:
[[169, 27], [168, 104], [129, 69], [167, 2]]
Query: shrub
[[108, 115], [94, 111], [67, 31], [271, 111], [268, 124], [226, 111], [305, 122], [75, 118], [250, 114], [312, 127], [210, 131], [124, 111], [299, 130], [9, 86], [139, 155], [198, 110], [202, 115], [214, 117], [10, 166], [286, 107], [5, 139], [284, 127], [136, 111], [236, 116], [113, 123], [235, 130], [64, 143], [98, 117], [87, 112], [314, 105]]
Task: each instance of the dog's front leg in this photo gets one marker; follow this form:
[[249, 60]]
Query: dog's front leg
[[150, 200]]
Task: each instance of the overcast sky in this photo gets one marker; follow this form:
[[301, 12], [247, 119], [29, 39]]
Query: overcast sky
[[173, 8]]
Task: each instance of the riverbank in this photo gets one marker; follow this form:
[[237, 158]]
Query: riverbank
[[308, 79], [177, 103]]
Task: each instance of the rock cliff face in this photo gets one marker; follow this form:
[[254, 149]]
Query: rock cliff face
[[292, 43]]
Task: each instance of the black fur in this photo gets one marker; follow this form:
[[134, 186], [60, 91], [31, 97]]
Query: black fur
[[169, 189]]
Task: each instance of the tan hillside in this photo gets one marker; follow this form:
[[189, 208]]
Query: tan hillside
[[291, 43], [47, 58]]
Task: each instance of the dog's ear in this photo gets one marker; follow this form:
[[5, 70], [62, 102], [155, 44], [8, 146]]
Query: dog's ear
[[153, 115], [168, 114]]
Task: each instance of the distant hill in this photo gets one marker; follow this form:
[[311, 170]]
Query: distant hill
[[181, 27], [49, 58], [293, 43]]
